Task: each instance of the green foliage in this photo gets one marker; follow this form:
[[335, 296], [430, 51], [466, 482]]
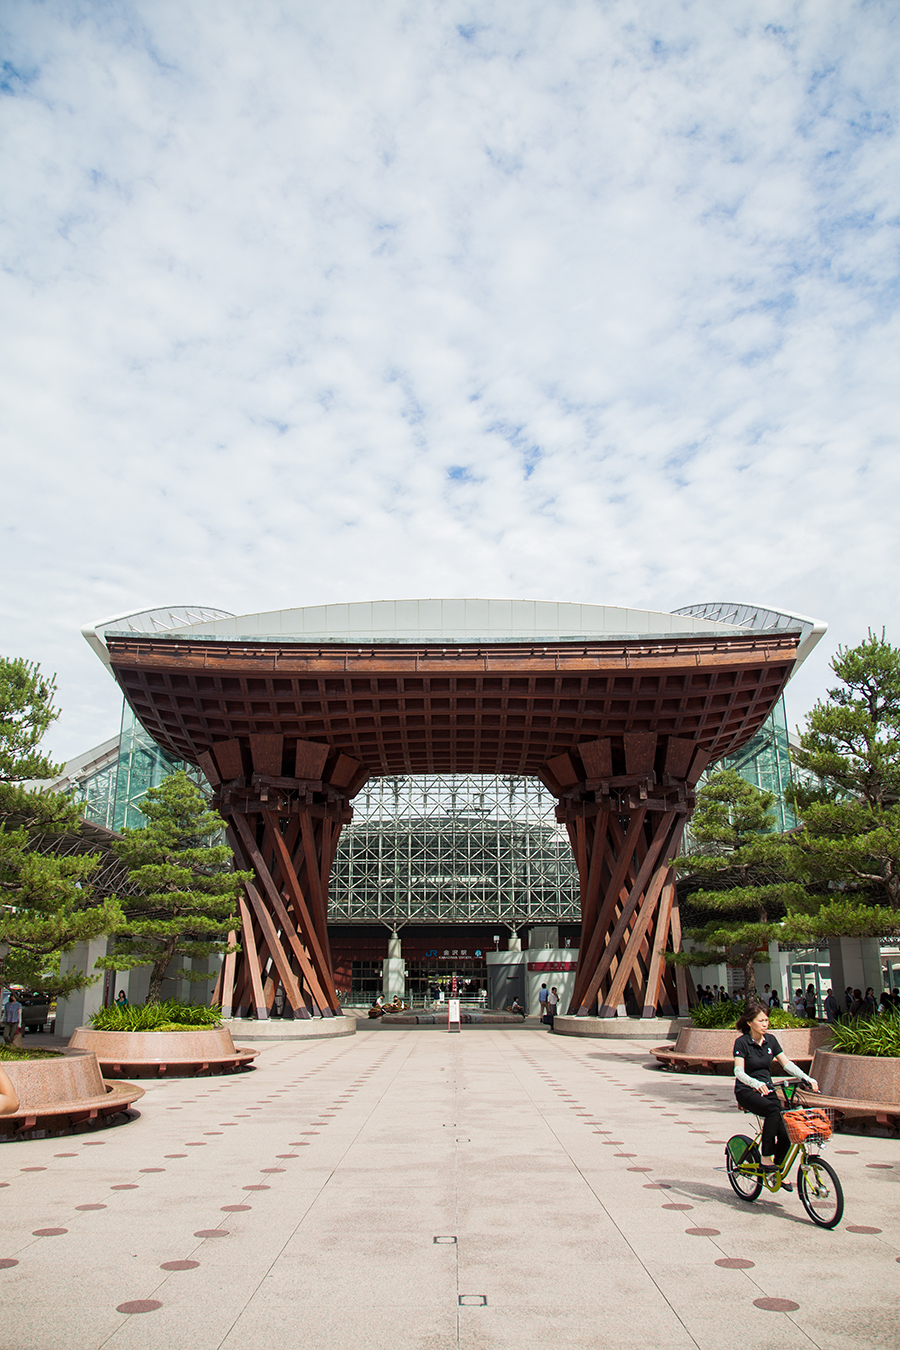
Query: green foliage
[[878, 1036], [852, 741], [186, 889], [9, 1052], [26, 711], [47, 902], [738, 888], [847, 855], [168, 1016], [719, 1015]]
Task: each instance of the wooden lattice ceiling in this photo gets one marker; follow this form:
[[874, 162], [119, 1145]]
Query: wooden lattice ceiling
[[493, 708]]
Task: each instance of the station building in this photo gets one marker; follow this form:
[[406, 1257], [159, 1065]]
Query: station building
[[438, 873]]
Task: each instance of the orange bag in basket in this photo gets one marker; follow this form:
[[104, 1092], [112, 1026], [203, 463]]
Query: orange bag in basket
[[801, 1124]]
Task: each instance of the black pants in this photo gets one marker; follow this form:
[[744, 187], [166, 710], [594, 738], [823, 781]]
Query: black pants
[[775, 1141]]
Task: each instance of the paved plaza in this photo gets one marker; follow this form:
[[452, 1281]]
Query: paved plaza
[[415, 1190]]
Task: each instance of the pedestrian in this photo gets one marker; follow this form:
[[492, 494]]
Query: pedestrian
[[799, 1009], [12, 1020], [831, 1006], [774, 1000], [810, 1001], [542, 1000], [857, 1006], [552, 1002], [121, 999], [848, 998]]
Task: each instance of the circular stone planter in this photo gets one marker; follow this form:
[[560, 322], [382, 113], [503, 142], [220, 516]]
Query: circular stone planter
[[59, 1093], [153, 1054], [709, 1051], [286, 1029], [857, 1086], [617, 1028]]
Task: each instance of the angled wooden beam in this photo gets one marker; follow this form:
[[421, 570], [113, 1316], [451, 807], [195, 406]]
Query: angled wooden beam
[[252, 961]]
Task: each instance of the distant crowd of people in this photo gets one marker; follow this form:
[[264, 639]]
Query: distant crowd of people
[[805, 1003]]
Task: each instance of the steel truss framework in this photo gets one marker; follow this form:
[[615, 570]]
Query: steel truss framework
[[454, 848], [618, 732]]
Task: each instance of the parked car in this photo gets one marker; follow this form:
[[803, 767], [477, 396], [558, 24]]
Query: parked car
[[38, 1012]]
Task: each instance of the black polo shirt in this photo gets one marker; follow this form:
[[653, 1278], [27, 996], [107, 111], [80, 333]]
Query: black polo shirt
[[757, 1058]]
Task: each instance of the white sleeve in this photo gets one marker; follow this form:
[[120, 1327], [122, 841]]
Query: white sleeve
[[743, 1077], [793, 1069]]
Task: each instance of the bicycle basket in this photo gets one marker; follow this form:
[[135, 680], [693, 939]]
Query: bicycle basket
[[812, 1125]]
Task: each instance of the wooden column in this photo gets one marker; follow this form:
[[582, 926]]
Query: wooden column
[[284, 804], [625, 807]]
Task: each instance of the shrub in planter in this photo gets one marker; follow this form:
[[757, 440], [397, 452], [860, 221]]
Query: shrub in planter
[[725, 1015], [875, 1036], [11, 1054], [168, 1016]]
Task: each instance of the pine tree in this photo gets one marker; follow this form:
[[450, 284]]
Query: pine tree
[[847, 852], [737, 885], [47, 903], [186, 890]]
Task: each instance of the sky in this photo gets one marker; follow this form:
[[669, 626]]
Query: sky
[[572, 301]]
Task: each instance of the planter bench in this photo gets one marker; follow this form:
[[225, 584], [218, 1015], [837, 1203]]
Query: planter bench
[[857, 1087], [700, 1050], [155, 1054], [57, 1094]]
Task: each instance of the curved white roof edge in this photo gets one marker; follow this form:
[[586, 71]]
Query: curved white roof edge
[[162, 619], [763, 618], [451, 620], [454, 620]]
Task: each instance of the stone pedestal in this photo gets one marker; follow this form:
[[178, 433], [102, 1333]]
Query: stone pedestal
[[393, 970], [855, 962]]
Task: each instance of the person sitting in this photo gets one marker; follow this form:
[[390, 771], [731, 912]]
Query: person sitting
[[517, 1007], [376, 1009]]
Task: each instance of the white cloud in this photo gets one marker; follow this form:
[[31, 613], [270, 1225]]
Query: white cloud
[[577, 301]]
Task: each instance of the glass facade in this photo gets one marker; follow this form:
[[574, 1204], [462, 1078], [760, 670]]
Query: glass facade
[[112, 795], [765, 761]]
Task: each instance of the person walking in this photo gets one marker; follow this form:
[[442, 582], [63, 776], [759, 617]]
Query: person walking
[[542, 1001], [809, 1002], [552, 1003], [12, 1020], [832, 1007]]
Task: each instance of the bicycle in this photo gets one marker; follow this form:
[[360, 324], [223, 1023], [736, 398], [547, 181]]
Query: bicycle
[[817, 1182]]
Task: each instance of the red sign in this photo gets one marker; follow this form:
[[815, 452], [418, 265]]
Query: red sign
[[552, 965], [453, 987]]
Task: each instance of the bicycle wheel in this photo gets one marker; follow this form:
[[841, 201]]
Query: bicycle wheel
[[739, 1151], [820, 1191]]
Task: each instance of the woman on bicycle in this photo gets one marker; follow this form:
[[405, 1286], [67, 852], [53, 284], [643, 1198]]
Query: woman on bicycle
[[756, 1050]]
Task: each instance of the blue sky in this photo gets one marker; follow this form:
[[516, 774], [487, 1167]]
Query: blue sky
[[569, 301]]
